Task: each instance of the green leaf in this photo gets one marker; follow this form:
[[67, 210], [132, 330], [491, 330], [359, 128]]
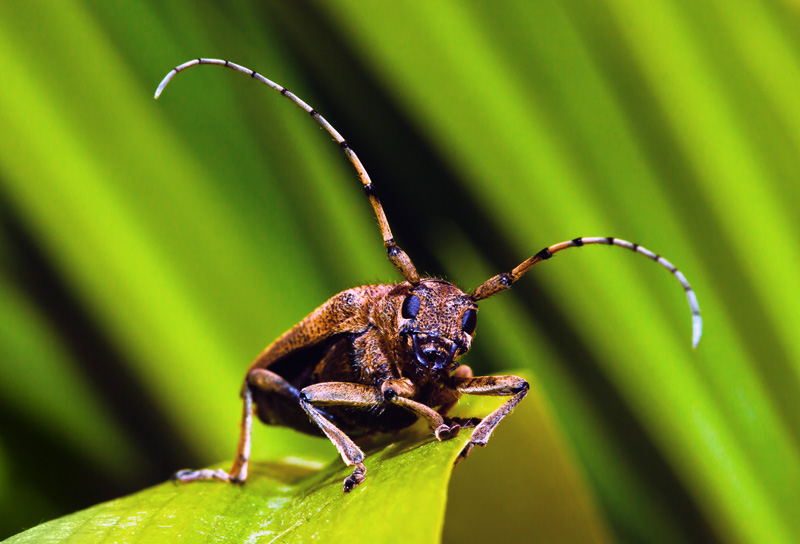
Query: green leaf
[[298, 499], [402, 500]]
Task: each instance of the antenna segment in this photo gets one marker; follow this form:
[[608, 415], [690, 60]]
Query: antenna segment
[[501, 282], [397, 256]]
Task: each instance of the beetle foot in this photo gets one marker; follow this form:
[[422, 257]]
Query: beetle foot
[[188, 475], [446, 432], [358, 476], [463, 455]]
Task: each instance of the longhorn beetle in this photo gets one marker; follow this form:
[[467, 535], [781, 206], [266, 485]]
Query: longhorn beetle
[[377, 358]]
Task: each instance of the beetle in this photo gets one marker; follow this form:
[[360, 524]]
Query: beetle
[[377, 358]]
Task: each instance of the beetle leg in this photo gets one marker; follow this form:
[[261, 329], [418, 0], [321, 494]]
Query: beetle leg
[[398, 391], [501, 386], [452, 396], [261, 379], [238, 472], [448, 398], [342, 394]]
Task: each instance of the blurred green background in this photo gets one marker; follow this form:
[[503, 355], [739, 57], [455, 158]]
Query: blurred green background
[[149, 250]]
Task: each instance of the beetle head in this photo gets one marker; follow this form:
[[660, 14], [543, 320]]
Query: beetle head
[[438, 322]]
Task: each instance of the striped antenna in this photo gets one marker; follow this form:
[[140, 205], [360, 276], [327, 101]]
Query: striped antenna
[[501, 282], [397, 256]]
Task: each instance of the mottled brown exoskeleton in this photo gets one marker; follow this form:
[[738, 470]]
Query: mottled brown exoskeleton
[[378, 358]]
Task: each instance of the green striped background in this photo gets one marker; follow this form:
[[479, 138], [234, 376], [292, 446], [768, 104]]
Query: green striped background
[[148, 250]]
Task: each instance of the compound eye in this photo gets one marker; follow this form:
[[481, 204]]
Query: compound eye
[[469, 321], [410, 306]]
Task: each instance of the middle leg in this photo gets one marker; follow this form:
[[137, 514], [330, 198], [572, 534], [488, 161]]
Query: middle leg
[[340, 394]]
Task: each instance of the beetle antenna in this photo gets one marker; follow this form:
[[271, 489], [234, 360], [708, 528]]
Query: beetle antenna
[[397, 256], [501, 282]]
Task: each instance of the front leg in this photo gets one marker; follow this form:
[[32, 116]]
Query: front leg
[[398, 392], [501, 386], [450, 398]]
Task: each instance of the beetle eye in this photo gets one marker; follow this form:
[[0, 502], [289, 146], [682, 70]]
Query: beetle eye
[[469, 321], [410, 306]]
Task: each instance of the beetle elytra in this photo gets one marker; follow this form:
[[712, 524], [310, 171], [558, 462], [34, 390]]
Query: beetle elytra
[[379, 357]]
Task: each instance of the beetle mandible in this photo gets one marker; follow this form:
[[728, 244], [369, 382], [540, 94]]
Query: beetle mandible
[[379, 357]]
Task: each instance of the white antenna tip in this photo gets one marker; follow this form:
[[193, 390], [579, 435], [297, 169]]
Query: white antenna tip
[[163, 83], [697, 329]]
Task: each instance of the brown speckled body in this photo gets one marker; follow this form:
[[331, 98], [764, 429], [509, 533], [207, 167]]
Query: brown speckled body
[[360, 336], [371, 359]]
